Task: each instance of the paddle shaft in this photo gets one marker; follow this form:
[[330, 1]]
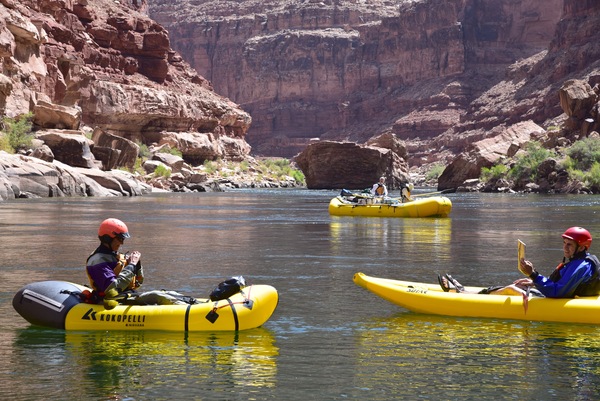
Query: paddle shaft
[[433, 193]]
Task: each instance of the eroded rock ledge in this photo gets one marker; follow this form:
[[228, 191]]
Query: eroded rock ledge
[[103, 69], [29, 177]]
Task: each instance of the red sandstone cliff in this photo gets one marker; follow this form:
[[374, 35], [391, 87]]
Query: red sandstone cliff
[[438, 73], [111, 67]]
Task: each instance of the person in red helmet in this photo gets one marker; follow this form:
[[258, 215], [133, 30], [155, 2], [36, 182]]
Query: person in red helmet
[[577, 275], [114, 276]]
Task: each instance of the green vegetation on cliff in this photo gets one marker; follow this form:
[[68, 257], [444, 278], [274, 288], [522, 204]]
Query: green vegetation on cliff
[[269, 169], [580, 162], [583, 161], [16, 133], [527, 164]]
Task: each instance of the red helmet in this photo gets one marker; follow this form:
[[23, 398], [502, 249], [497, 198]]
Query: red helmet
[[579, 235], [114, 228]]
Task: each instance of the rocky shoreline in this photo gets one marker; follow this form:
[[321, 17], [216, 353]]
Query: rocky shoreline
[[26, 177]]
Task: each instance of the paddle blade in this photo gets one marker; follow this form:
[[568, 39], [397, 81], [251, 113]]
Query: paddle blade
[[520, 255]]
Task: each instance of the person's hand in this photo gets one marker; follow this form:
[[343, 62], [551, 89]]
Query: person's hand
[[525, 282], [134, 258], [526, 267]]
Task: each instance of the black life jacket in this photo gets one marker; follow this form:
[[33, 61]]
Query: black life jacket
[[380, 190], [107, 254], [592, 286]]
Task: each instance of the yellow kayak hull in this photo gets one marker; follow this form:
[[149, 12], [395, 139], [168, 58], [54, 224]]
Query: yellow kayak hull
[[430, 299], [56, 304], [434, 206]]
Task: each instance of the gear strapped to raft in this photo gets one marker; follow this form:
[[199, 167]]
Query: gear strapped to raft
[[227, 288], [212, 316]]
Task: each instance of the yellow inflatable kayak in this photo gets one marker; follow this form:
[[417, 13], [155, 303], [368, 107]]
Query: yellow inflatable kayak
[[57, 304], [434, 206], [430, 299]]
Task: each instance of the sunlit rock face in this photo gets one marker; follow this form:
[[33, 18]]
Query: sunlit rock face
[[109, 66], [351, 70]]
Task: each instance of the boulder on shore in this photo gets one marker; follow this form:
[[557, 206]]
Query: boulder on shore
[[28, 177]]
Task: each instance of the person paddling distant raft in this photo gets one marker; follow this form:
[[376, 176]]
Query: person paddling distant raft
[[406, 190], [577, 275], [114, 277], [379, 188]]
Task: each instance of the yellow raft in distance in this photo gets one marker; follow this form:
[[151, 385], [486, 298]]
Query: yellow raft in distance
[[434, 206], [431, 299]]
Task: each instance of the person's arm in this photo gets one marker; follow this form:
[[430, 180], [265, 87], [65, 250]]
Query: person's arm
[[572, 274], [139, 275], [127, 276]]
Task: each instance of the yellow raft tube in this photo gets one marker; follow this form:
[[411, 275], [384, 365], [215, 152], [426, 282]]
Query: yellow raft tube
[[430, 299], [434, 206], [56, 304]]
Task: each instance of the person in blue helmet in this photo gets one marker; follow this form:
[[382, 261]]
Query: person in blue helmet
[[577, 275]]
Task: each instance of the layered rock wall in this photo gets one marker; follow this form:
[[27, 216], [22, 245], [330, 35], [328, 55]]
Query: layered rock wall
[[304, 70], [349, 69], [103, 66], [115, 65]]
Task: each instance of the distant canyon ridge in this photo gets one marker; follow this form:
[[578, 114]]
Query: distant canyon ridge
[[421, 81], [439, 74]]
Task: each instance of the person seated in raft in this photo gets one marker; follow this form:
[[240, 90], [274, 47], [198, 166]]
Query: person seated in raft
[[114, 276], [379, 188], [406, 190], [577, 275]]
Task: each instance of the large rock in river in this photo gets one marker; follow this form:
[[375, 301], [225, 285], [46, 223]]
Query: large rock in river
[[334, 165]]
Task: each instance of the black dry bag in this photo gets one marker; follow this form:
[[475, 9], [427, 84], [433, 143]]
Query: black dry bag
[[227, 288]]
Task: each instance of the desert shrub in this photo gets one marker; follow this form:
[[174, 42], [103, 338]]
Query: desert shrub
[[583, 161], [435, 172], [583, 154], [590, 177], [138, 167], [282, 167], [493, 173], [172, 151], [17, 133], [299, 177], [4, 145], [527, 164], [264, 169], [162, 171], [210, 166], [593, 177], [144, 152]]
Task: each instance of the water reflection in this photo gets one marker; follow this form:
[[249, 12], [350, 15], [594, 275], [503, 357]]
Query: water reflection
[[434, 230], [115, 364], [377, 241], [500, 357]]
